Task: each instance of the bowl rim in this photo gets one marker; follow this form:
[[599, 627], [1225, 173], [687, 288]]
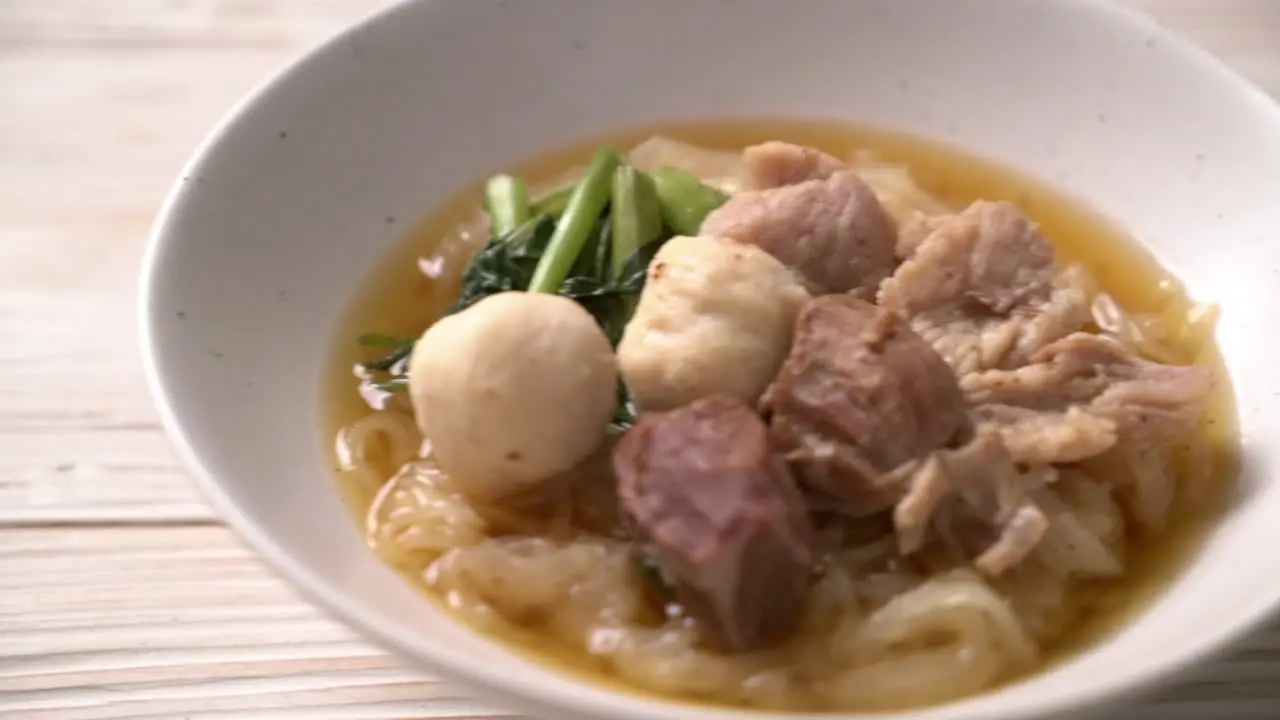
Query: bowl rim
[[512, 689]]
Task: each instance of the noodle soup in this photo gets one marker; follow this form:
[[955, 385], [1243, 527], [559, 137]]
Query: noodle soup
[[1070, 517]]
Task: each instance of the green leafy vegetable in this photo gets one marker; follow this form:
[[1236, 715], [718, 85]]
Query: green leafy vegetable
[[505, 263], [651, 573], [507, 201], [624, 415], [606, 298], [593, 260], [591, 242], [380, 340], [390, 360], [612, 302], [394, 384], [685, 200], [401, 349]]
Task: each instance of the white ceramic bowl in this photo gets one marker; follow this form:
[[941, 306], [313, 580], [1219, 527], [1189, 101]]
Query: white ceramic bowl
[[278, 217]]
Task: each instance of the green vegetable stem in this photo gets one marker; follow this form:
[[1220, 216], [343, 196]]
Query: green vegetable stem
[[507, 201], [636, 215], [684, 199], [589, 199], [591, 242], [554, 202]]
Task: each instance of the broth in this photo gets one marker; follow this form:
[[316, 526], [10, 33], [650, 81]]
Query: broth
[[401, 300]]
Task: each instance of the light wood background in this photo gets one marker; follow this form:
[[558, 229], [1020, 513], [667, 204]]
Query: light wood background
[[121, 596]]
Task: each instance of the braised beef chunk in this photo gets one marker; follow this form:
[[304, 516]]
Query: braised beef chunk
[[774, 164], [982, 287], [832, 231], [859, 396], [722, 516], [871, 416]]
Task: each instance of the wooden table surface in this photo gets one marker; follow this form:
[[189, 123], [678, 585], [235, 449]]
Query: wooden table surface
[[121, 595]]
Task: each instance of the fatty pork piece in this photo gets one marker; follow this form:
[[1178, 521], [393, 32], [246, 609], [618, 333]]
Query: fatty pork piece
[[722, 516], [872, 417], [775, 164], [982, 288], [832, 231], [1088, 398]]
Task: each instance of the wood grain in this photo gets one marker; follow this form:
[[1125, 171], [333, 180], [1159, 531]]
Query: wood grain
[[145, 622], [120, 596]]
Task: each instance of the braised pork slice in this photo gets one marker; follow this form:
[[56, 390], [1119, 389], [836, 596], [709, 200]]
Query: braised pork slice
[[722, 516], [977, 501], [916, 230], [982, 287], [859, 396], [774, 164], [1089, 398], [832, 231], [1083, 393], [1068, 435]]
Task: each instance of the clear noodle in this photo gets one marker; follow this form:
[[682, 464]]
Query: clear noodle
[[878, 634], [896, 189], [717, 168], [375, 445]]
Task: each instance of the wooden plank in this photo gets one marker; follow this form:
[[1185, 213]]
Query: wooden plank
[[78, 435], [166, 622], [148, 24], [1241, 32], [99, 624]]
